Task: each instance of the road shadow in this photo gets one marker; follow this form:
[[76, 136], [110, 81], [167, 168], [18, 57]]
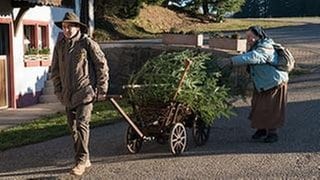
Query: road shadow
[[299, 135]]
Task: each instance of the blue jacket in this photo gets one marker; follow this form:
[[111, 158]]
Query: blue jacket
[[259, 58]]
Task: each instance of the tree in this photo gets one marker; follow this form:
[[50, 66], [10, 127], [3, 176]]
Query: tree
[[205, 7], [120, 8], [280, 8], [201, 90], [217, 7], [156, 2], [223, 6]]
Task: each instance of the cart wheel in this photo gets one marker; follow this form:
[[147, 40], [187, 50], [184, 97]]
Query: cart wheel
[[178, 139], [133, 141], [200, 131]]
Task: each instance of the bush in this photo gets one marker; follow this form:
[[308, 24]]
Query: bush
[[130, 9], [235, 36], [119, 8], [101, 35], [155, 2]]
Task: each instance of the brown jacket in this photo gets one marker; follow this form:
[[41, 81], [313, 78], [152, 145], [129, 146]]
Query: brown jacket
[[78, 68]]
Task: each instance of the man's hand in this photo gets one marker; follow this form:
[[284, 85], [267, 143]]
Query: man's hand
[[224, 62], [101, 96]]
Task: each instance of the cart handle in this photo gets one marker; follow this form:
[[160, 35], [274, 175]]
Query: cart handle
[[126, 117], [187, 64], [104, 98], [112, 98], [134, 86]]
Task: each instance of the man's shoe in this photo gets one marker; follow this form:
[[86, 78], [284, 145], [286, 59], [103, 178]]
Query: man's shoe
[[88, 164], [271, 138], [259, 134], [80, 168]]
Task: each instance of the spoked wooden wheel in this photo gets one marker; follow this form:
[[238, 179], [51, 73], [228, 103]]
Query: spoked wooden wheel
[[133, 141], [178, 139], [200, 131]]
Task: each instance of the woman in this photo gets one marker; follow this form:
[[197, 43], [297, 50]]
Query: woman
[[268, 105]]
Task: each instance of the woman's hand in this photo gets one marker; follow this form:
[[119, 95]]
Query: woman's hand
[[224, 62]]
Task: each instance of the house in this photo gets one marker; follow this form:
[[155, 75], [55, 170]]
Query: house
[[27, 39]]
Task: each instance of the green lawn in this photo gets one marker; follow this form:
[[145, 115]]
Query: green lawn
[[141, 28], [228, 25], [55, 126]]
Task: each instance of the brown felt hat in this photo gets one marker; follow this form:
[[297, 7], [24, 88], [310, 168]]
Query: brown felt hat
[[70, 17]]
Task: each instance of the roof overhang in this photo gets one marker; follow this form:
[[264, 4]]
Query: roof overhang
[[32, 3]]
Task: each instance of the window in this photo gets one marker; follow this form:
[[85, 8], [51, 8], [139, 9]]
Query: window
[[36, 43], [42, 37], [29, 38], [4, 39], [36, 37]]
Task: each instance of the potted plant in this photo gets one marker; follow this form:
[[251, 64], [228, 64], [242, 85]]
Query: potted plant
[[32, 53], [37, 57], [31, 57], [232, 42], [175, 37], [44, 53]]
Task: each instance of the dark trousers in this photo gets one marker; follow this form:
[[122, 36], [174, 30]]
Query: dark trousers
[[78, 122]]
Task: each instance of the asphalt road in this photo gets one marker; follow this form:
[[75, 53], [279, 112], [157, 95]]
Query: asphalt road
[[229, 152], [298, 36]]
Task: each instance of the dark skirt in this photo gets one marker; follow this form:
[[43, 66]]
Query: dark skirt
[[269, 108]]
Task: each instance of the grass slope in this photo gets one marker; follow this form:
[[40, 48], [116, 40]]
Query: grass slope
[[154, 20]]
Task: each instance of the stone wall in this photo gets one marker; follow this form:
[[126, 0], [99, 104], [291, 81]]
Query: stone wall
[[126, 59]]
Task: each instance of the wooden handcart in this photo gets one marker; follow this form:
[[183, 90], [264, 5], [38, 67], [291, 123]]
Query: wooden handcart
[[163, 122]]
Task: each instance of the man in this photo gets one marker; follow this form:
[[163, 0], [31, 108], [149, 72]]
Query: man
[[80, 73]]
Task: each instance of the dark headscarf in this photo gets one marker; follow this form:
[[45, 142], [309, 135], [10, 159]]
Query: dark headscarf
[[258, 31]]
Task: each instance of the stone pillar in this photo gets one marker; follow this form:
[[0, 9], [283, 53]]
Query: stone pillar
[[90, 17], [77, 7], [87, 15]]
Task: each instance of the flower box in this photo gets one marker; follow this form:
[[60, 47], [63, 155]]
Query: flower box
[[183, 39], [31, 63], [239, 45], [31, 57], [34, 60], [44, 57], [45, 63]]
